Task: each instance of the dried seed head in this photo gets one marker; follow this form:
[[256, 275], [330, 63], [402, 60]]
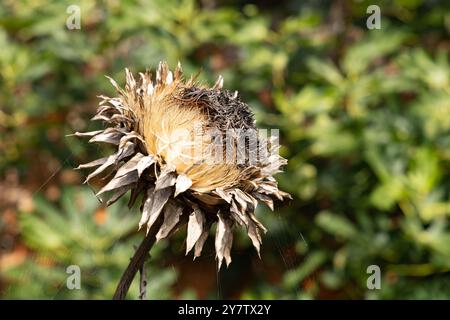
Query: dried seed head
[[169, 135]]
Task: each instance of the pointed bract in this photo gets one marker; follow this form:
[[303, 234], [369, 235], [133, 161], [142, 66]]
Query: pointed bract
[[224, 240], [172, 214], [182, 183], [195, 227]]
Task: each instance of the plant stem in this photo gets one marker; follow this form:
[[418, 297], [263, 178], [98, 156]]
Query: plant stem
[[142, 282], [136, 262]]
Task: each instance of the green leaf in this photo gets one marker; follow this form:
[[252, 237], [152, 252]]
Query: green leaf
[[336, 225]]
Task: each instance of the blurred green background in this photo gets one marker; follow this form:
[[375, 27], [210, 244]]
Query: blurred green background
[[364, 117]]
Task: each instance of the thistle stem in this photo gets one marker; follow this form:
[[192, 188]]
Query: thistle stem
[[136, 262], [142, 283]]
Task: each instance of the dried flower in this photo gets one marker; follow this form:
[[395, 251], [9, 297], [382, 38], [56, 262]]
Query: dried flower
[[178, 143]]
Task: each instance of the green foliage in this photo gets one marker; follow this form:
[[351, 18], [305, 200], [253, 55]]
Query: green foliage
[[364, 117], [70, 235]]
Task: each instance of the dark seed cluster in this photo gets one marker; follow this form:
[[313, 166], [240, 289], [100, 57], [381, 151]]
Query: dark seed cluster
[[224, 108]]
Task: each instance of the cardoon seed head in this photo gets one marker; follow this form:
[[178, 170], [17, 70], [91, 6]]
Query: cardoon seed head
[[193, 152]]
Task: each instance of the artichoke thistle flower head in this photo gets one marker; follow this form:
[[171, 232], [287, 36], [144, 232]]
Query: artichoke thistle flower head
[[192, 152]]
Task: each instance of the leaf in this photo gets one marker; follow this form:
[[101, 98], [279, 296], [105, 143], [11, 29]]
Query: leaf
[[312, 262], [182, 184], [326, 70], [387, 194], [360, 55], [195, 227], [336, 224]]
